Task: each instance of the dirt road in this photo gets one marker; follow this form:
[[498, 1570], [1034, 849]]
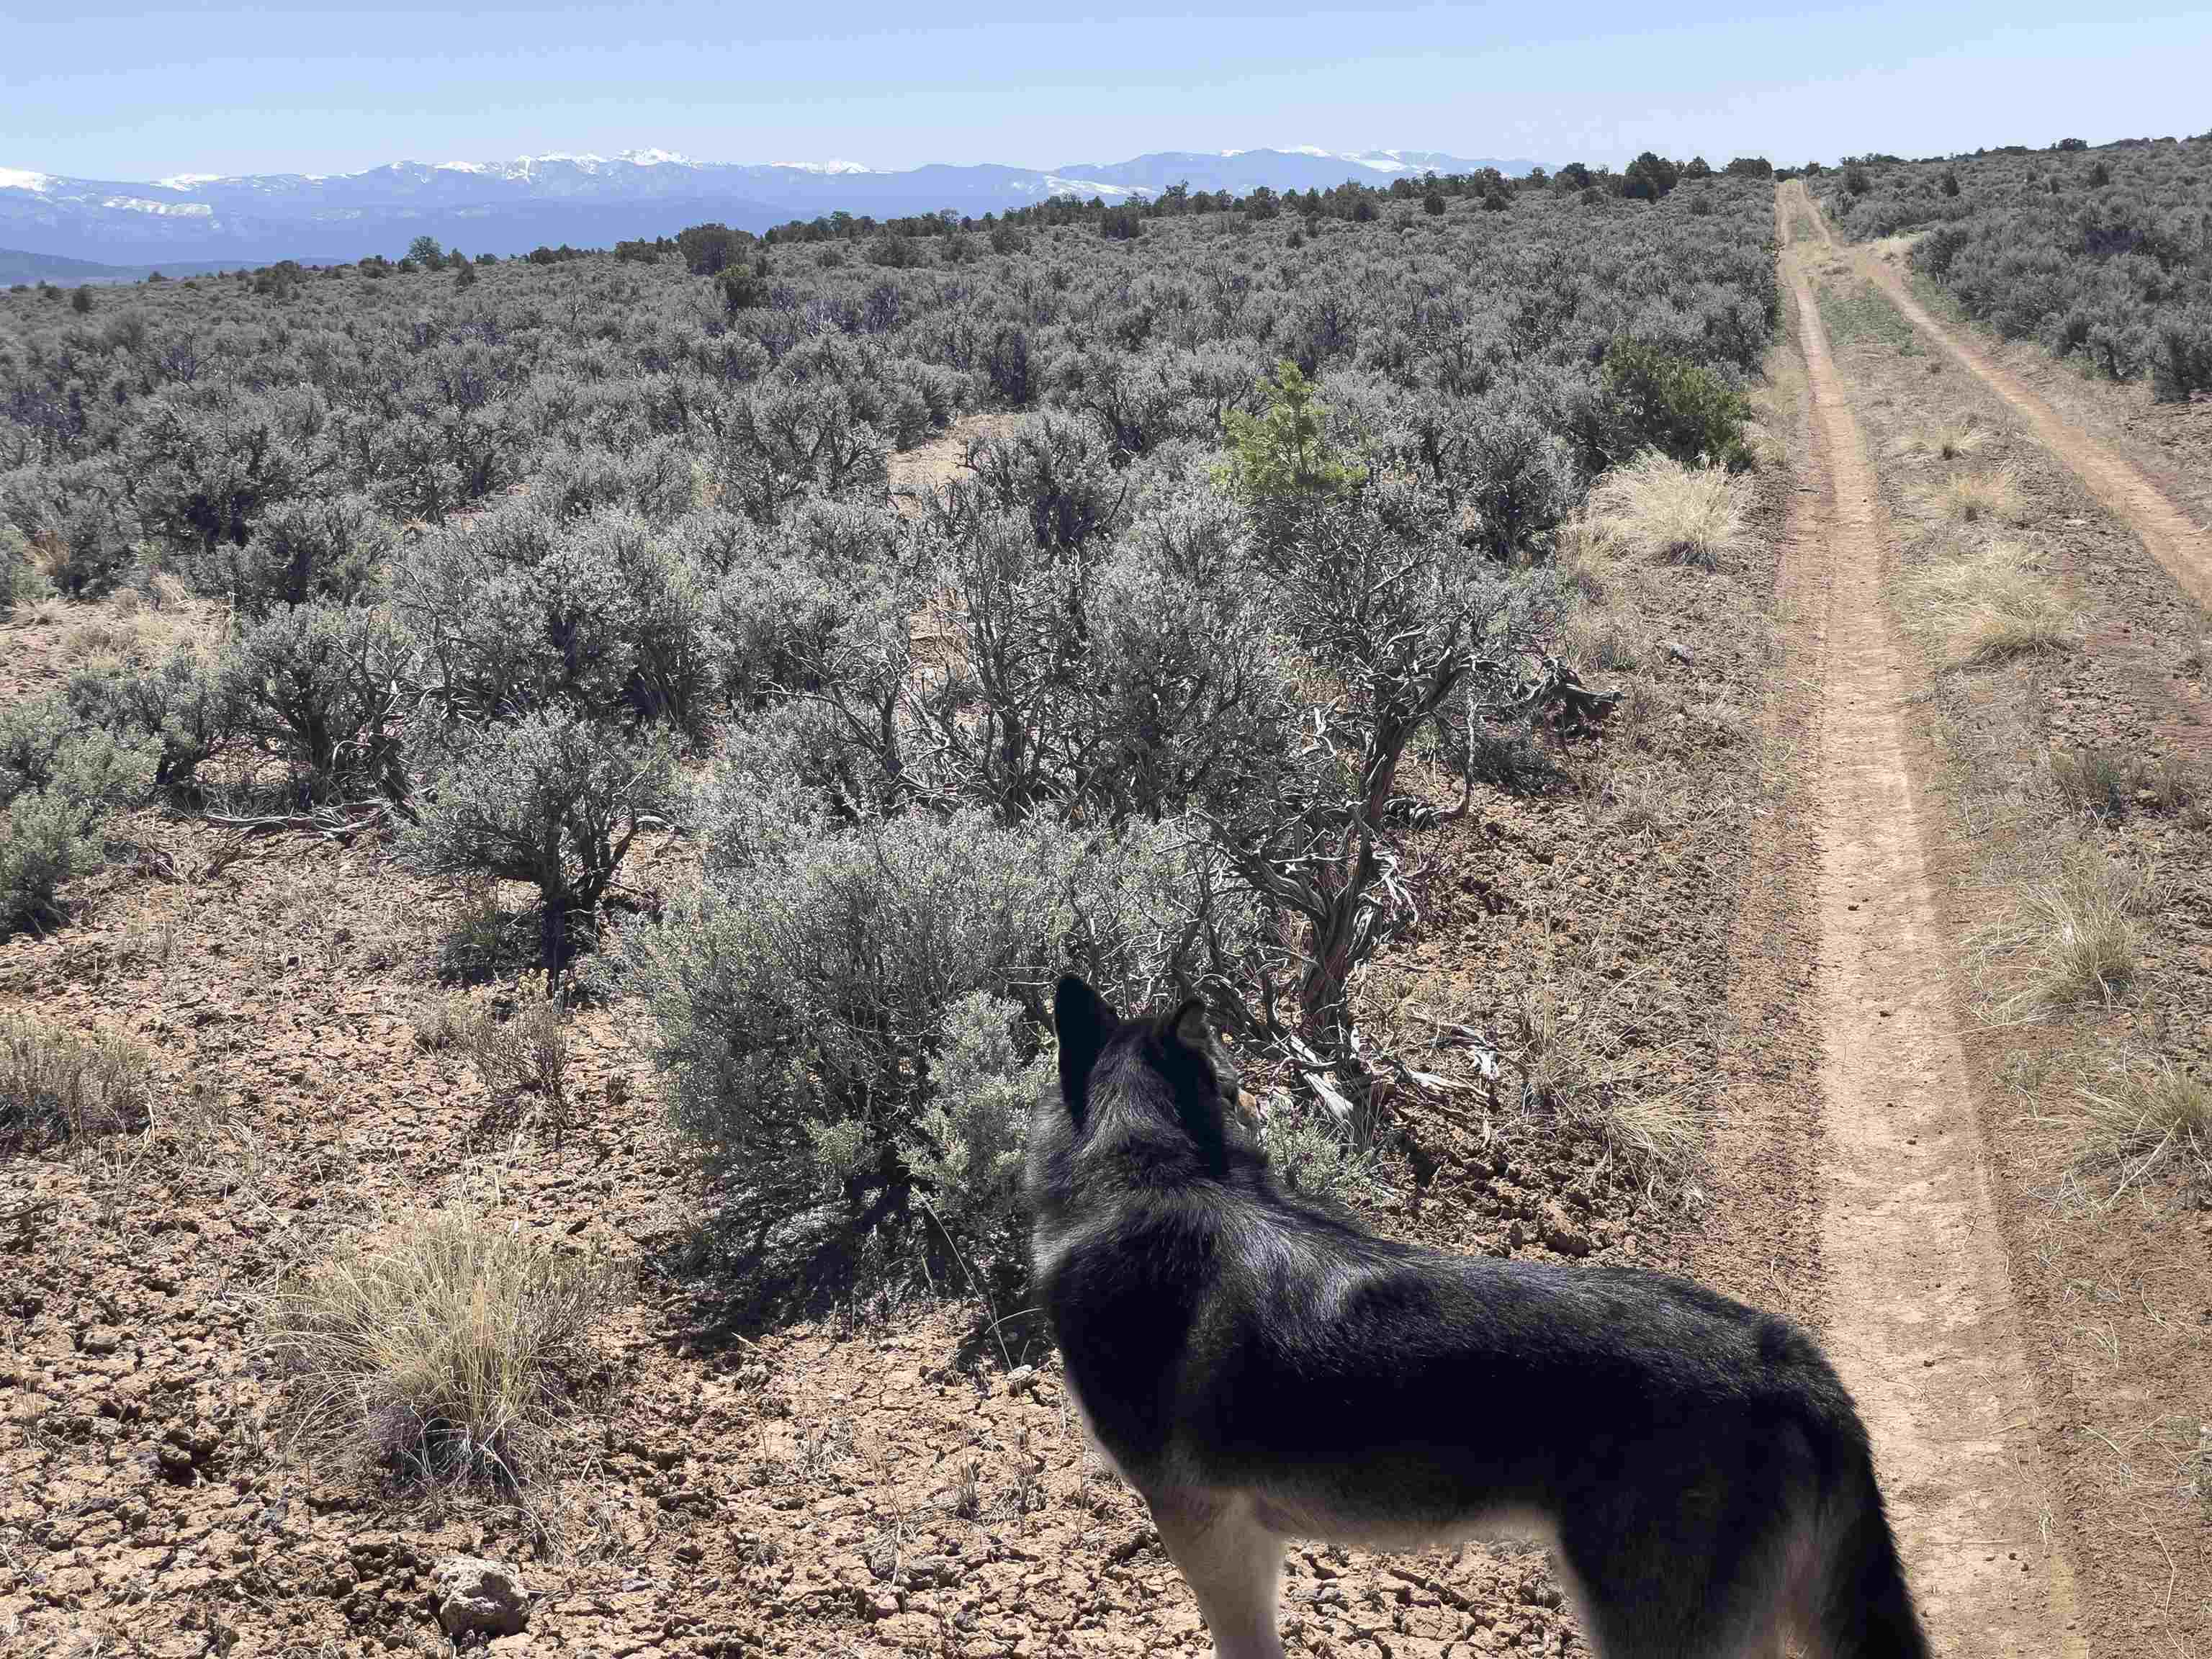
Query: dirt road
[[2180, 544], [1920, 1317]]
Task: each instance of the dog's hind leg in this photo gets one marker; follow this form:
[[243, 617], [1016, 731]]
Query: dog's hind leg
[[1234, 1565]]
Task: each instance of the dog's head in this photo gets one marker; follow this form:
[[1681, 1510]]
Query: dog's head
[[1159, 1086]]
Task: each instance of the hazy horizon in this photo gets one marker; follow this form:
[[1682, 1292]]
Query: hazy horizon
[[227, 90]]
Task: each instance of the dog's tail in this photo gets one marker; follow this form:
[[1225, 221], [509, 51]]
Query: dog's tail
[[1861, 1607]]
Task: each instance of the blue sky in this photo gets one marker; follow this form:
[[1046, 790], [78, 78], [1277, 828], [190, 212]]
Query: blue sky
[[106, 91]]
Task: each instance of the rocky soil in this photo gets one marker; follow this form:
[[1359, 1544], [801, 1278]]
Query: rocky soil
[[876, 1480]]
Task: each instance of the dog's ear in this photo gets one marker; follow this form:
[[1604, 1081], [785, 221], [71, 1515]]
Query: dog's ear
[[1084, 1022], [1188, 1026]]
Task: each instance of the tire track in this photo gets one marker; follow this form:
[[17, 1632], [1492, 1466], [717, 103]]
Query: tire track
[[1920, 1313], [2177, 542]]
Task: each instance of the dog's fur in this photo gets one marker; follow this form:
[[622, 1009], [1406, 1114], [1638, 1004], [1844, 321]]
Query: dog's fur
[[1261, 1369]]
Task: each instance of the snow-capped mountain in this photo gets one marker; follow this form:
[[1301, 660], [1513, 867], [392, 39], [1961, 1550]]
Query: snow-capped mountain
[[589, 200]]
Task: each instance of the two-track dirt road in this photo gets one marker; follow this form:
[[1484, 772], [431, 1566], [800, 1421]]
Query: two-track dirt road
[[1919, 1314]]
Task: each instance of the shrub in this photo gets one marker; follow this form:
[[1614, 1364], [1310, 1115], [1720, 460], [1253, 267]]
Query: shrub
[[1520, 485], [183, 703], [799, 999], [2181, 364], [552, 800], [448, 1344], [521, 610], [1005, 365], [317, 685], [744, 289], [58, 782], [1660, 401], [310, 548], [202, 477], [56, 1086], [786, 440], [71, 521], [966, 1143]]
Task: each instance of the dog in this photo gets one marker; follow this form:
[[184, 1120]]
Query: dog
[[1260, 1370]]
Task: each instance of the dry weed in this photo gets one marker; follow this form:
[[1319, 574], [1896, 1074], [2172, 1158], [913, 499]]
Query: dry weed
[[448, 1344], [1658, 508], [1989, 603], [2147, 1118], [1991, 497], [1951, 439], [1575, 1068], [2068, 936], [1642, 800], [1609, 637], [57, 1086], [441, 1022], [527, 1053]]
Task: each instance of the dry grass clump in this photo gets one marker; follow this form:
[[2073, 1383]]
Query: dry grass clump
[[1576, 1069], [2106, 783], [448, 1345], [441, 1022], [2149, 1118], [1947, 439], [1658, 508], [2092, 780], [1990, 604], [2068, 937], [527, 1055], [57, 1086], [1991, 497], [1641, 800], [1608, 637]]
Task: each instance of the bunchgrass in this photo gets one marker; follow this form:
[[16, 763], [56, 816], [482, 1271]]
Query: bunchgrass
[[1577, 1069], [1949, 440], [1985, 498], [57, 1086], [1659, 508], [2146, 1119], [446, 1344], [2068, 937], [1989, 603]]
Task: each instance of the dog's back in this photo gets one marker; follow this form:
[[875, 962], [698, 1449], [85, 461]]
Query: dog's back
[[1259, 1368]]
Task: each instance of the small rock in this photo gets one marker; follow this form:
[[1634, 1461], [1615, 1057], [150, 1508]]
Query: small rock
[[1021, 1379], [479, 1597], [1560, 1233], [928, 1571]]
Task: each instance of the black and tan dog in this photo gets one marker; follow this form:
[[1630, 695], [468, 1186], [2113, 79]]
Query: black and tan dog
[[1261, 1369]]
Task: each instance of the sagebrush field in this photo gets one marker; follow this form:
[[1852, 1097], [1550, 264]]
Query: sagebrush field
[[545, 799]]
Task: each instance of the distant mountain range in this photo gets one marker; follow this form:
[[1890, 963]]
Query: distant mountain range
[[588, 201]]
